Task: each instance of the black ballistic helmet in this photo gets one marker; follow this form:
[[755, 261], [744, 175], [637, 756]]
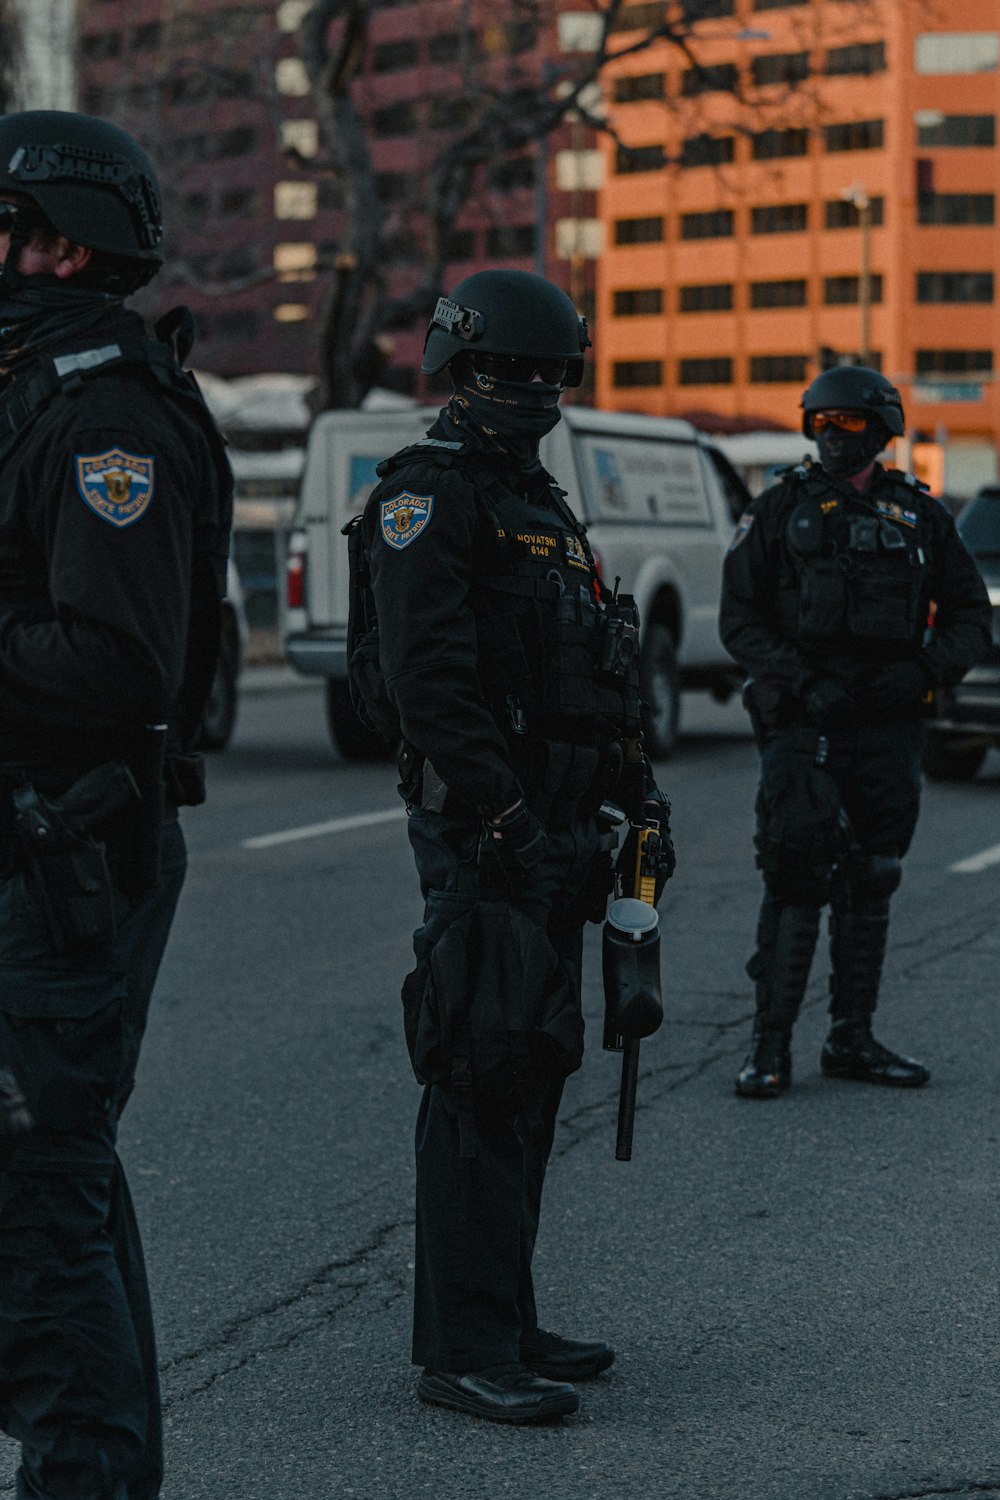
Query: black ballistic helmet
[[854, 388], [91, 181], [506, 312]]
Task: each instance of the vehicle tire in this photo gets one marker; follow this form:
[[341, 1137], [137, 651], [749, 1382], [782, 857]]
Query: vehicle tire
[[219, 719], [944, 761], [661, 689], [347, 732]]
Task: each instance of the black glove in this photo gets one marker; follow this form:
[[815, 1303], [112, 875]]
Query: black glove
[[518, 840], [829, 705], [898, 691]]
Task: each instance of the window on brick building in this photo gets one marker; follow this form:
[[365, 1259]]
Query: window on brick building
[[954, 361], [241, 323], [639, 17], [788, 293], [958, 130], [779, 218], [392, 187], [637, 302], [706, 10], [716, 371], [955, 208], [714, 224], [639, 231], [954, 286], [399, 118], [713, 296], [840, 213], [780, 67], [639, 159], [390, 57], [842, 290], [510, 239], [514, 172], [444, 47], [710, 79], [98, 46], [862, 57], [632, 372], [240, 202], [766, 145], [450, 114], [855, 135], [640, 86], [778, 369], [461, 245], [707, 150]]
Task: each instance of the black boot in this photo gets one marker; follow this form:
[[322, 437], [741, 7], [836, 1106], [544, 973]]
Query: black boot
[[857, 948], [786, 939]]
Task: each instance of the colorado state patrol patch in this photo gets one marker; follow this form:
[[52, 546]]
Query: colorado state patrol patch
[[404, 517], [117, 486]]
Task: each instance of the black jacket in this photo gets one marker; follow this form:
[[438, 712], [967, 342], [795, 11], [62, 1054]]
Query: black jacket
[[115, 507], [822, 581], [477, 568]]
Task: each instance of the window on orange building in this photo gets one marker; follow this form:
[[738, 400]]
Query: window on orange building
[[647, 231], [778, 369], [854, 135], [776, 4], [954, 361], [639, 159], [640, 86], [713, 371], [790, 293], [707, 150], [862, 57], [957, 130], [637, 302], [632, 372], [779, 218], [842, 213], [841, 290], [710, 79], [954, 286], [706, 10], [713, 296], [765, 145], [780, 67], [638, 17], [714, 224], [955, 208]]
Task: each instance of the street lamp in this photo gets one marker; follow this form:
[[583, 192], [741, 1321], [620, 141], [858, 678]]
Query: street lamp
[[858, 195]]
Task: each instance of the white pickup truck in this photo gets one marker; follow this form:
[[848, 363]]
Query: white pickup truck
[[660, 503]]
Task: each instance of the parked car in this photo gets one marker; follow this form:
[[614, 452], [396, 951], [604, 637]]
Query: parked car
[[967, 718], [660, 503], [219, 719]]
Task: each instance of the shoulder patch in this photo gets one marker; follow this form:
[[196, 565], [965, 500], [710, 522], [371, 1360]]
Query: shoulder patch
[[118, 486], [404, 517], [742, 530]]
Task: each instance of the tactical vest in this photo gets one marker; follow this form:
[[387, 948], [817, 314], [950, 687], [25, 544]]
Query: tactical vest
[[860, 564], [558, 653], [159, 361]]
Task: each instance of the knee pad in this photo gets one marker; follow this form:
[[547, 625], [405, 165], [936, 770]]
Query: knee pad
[[873, 877]]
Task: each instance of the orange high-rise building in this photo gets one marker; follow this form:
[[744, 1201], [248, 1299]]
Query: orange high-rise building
[[844, 207]]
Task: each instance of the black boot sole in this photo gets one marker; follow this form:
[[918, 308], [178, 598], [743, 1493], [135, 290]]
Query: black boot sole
[[860, 1075]]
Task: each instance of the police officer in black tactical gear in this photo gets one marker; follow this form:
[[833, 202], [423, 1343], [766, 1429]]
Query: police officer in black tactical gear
[[848, 598], [515, 681], [115, 507]]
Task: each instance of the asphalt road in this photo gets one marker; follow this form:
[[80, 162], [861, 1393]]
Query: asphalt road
[[803, 1293]]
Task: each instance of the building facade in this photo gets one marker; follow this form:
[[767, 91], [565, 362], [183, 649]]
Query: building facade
[[221, 97], [845, 210]]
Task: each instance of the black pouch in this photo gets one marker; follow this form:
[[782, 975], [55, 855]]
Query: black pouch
[[822, 600], [72, 880], [883, 598]]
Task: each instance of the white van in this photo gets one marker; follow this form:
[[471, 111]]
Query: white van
[[659, 501]]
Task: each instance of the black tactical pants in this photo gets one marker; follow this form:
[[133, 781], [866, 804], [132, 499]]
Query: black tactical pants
[[78, 1381], [477, 1219]]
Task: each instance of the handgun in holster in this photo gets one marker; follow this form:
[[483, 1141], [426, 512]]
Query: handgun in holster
[[67, 863]]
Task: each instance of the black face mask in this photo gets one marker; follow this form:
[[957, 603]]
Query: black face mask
[[513, 415], [39, 312], [845, 453]]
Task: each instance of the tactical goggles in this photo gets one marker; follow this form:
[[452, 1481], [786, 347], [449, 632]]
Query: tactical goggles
[[843, 421], [522, 367]]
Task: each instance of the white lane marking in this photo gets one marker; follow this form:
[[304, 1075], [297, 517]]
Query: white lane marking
[[317, 830], [977, 862]]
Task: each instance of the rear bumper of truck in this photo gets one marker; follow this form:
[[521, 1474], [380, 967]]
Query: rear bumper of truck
[[317, 655]]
